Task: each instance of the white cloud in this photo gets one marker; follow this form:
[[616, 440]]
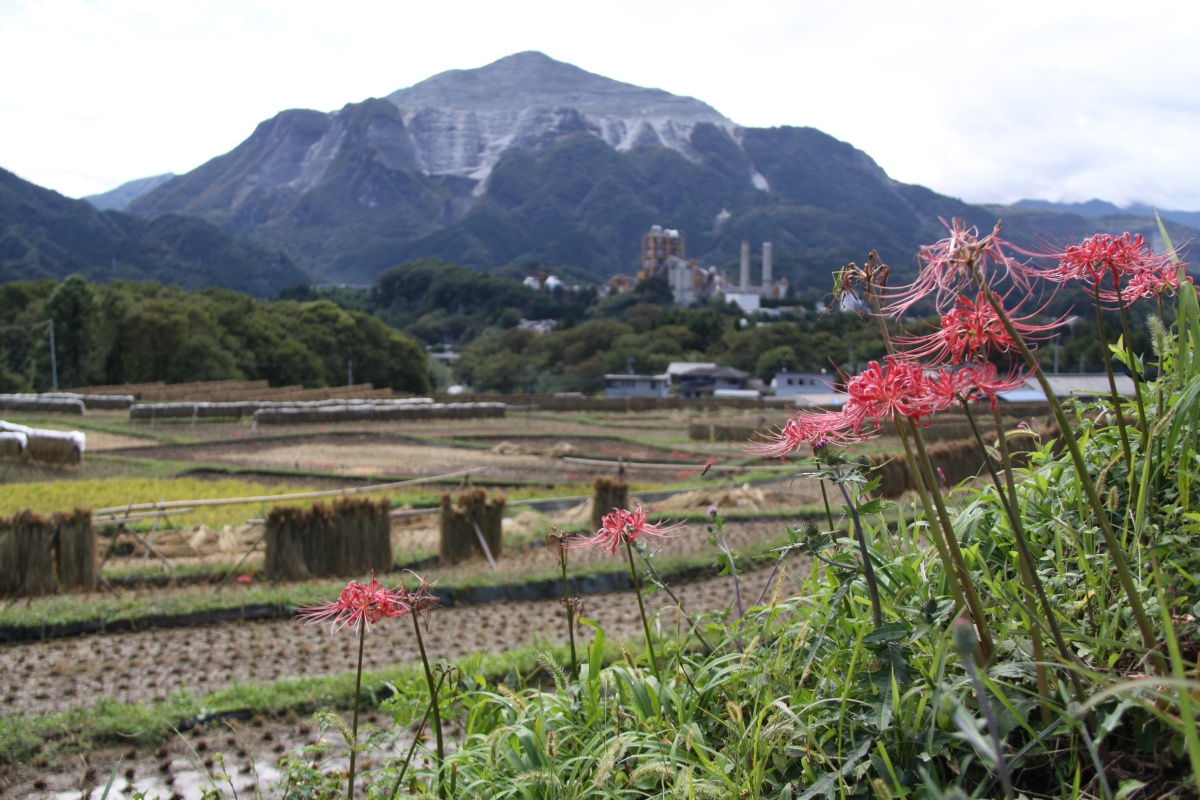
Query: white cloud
[[985, 101]]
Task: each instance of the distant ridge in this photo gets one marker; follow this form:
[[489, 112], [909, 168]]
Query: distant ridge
[[46, 235], [1094, 209], [118, 199]]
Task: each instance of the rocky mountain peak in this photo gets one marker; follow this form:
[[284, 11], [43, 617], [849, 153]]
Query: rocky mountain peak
[[462, 120], [531, 78]]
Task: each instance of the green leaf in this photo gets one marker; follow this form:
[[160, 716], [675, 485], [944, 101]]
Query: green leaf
[[891, 632]]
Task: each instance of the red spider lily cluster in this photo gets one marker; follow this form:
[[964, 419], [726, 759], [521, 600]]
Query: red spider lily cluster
[[1120, 269], [972, 329], [367, 603], [623, 526], [950, 366]]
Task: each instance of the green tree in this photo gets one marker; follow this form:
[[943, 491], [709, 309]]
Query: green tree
[[71, 306]]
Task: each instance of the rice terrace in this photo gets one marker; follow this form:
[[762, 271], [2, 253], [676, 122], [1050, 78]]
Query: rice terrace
[[524, 433], [183, 584]]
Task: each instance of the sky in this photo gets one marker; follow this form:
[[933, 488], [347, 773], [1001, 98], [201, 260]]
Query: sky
[[984, 101]]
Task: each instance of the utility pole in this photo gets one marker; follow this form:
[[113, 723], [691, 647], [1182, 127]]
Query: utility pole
[[53, 358], [349, 372]]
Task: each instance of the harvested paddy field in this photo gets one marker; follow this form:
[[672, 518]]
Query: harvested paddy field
[[149, 666], [524, 453]]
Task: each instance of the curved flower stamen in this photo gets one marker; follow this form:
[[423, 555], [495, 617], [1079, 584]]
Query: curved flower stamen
[[358, 604]]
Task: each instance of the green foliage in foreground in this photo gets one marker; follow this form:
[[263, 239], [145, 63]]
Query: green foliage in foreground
[[808, 695]]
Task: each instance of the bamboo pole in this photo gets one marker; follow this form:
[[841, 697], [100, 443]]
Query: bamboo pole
[[275, 498]]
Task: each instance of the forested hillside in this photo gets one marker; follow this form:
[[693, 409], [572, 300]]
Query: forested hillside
[[46, 235], [124, 332]]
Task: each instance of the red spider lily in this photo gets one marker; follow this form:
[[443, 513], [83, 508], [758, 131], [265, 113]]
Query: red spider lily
[[972, 381], [952, 265], [814, 429], [973, 328], [359, 603], [621, 526], [1152, 283], [1105, 258], [881, 392]]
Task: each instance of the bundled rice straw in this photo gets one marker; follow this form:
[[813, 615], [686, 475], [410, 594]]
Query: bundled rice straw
[[459, 539], [350, 538], [607, 494]]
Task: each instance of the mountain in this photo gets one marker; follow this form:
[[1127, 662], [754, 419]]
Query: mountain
[[530, 160], [118, 199], [46, 235], [1095, 209]]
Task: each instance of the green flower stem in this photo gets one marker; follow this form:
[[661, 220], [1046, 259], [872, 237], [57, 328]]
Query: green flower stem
[[362, 635], [1112, 383], [433, 704], [868, 568], [825, 499], [1114, 546], [986, 647], [1028, 570], [562, 560], [935, 527], [1137, 383], [637, 588], [395, 792], [1035, 578], [658, 579]]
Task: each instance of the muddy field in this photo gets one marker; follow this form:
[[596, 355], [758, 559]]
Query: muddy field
[[151, 665], [56, 675]]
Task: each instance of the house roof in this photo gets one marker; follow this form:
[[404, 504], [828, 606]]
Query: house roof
[[628, 377], [1064, 384], [712, 371], [682, 367]]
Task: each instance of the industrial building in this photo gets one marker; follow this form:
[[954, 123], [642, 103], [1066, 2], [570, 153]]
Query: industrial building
[[664, 253]]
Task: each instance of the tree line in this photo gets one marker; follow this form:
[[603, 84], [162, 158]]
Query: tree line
[[135, 332]]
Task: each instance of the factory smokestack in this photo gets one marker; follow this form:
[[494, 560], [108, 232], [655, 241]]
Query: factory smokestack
[[767, 277], [745, 284]]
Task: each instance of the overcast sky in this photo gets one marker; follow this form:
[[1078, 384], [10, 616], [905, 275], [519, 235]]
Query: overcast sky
[[989, 102]]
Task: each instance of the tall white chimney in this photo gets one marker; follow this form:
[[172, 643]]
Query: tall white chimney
[[767, 277], [745, 284]]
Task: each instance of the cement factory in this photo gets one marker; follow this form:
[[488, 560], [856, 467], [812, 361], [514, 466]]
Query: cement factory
[[664, 254]]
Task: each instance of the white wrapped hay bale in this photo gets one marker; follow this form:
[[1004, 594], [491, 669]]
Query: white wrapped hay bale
[[49, 447], [40, 404], [12, 444]]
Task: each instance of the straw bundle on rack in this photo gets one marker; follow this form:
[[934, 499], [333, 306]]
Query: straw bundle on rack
[[349, 538], [287, 534], [76, 548], [26, 555], [364, 531], [459, 540], [607, 494], [957, 460]]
